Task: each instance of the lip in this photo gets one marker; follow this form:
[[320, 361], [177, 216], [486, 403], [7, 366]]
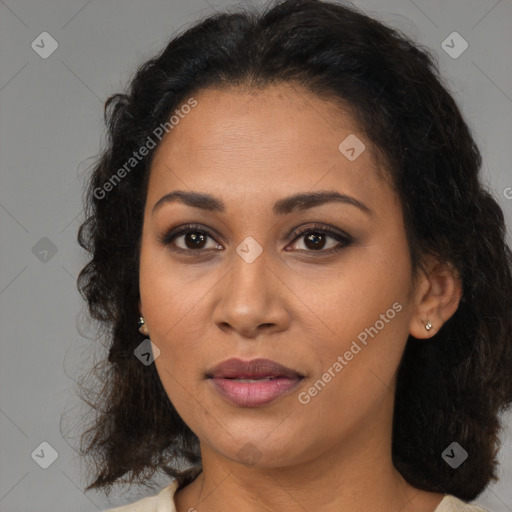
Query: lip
[[255, 368], [225, 380]]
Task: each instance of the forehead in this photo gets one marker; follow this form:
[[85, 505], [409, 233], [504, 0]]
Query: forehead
[[243, 143]]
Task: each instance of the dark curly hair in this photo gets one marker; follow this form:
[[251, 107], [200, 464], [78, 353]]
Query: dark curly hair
[[452, 388]]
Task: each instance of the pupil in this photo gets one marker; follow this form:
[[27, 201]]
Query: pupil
[[196, 238], [314, 238]]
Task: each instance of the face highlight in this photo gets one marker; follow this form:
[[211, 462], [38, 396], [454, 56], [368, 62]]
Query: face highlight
[[264, 238]]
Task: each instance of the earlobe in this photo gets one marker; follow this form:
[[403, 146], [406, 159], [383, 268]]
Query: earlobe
[[143, 328], [438, 298], [422, 327]]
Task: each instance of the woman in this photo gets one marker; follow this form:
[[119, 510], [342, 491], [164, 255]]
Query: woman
[[305, 289]]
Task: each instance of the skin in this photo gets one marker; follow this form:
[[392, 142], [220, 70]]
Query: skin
[[294, 304]]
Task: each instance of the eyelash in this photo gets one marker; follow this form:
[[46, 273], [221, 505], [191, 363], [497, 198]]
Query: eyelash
[[344, 239]]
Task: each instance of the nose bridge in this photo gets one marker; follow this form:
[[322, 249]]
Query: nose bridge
[[250, 280], [250, 296]]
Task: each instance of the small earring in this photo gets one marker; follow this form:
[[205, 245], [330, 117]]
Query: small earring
[[428, 325], [143, 329]]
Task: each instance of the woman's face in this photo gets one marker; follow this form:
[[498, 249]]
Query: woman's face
[[242, 283]]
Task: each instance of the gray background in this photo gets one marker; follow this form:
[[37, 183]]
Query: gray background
[[51, 124]]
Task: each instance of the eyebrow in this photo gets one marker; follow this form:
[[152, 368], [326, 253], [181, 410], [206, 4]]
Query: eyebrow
[[301, 201]]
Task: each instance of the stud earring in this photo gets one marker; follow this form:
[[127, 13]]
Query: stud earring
[[143, 328], [428, 325]]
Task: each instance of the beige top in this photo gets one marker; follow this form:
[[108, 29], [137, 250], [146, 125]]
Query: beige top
[[164, 502]]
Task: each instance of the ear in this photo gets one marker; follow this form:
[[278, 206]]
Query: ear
[[437, 297]]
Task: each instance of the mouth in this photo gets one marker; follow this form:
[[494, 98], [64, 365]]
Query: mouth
[[253, 383]]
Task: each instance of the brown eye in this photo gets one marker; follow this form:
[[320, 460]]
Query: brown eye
[[189, 239], [316, 239]]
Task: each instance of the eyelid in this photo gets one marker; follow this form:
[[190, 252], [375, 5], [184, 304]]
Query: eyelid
[[321, 228]]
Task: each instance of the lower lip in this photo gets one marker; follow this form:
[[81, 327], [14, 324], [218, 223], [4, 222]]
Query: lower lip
[[254, 394]]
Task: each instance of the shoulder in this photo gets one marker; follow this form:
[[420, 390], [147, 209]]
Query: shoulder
[[162, 502], [452, 504]]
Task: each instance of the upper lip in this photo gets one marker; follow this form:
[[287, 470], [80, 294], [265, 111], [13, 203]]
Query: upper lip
[[255, 368]]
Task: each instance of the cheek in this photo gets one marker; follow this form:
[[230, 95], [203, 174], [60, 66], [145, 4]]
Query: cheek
[[357, 369], [366, 311], [173, 315], [173, 301], [170, 293], [369, 282]]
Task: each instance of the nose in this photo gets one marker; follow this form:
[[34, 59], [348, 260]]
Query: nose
[[252, 299]]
